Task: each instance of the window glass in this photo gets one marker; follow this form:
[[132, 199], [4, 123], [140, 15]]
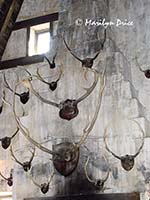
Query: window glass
[[39, 39], [43, 42]]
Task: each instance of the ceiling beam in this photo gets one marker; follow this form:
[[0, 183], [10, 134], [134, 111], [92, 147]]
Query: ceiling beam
[[9, 23], [4, 8], [28, 60]]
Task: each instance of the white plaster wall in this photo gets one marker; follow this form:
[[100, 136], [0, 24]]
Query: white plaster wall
[[126, 95]]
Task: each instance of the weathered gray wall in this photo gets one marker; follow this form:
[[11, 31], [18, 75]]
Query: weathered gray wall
[[126, 96]]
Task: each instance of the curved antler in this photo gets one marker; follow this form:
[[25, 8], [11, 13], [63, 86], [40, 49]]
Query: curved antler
[[33, 154], [13, 156], [89, 90], [106, 146], [50, 84], [30, 78], [86, 62], [6, 141], [3, 101], [15, 133], [3, 176], [9, 180], [71, 50], [120, 157], [44, 186], [142, 144], [86, 172], [26, 132], [26, 165], [7, 85], [103, 180], [90, 125], [138, 65], [24, 97], [51, 64], [28, 85]]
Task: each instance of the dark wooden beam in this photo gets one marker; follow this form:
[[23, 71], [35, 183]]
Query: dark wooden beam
[[28, 60], [121, 196], [4, 8], [8, 24], [35, 21]]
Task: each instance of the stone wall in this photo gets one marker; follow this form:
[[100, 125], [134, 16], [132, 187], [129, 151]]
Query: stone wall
[[125, 96]]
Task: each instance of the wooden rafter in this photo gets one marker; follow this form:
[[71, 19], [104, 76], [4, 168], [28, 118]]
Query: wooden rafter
[[8, 22]]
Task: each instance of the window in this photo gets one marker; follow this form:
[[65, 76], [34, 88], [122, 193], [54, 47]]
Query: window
[[40, 37], [34, 37]]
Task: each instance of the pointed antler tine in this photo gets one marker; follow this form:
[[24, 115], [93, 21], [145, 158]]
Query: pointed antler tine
[[39, 77], [7, 85], [105, 142], [12, 154], [4, 101], [54, 57], [108, 171], [51, 176], [15, 133], [24, 130], [86, 172], [33, 154], [47, 60], [3, 176], [27, 84], [17, 76], [71, 50], [137, 63], [142, 144], [29, 73], [105, 37], [33, 181], [90, 126], [5, 81], [89, 90], [102, 46]]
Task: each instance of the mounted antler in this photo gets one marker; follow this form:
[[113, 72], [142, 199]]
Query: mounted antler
[[52, 85], [86, 62], [99, 183], [127, 161], [71, 152], [62, 154], [24, 97], [9, 180], [51, 64], [3, 101], [90, 125], [27, 164], [146, 71], [44, 187], [69, 107], [6, 141]]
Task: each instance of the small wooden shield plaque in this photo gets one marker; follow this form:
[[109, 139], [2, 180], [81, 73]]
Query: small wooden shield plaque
[[67, 163]]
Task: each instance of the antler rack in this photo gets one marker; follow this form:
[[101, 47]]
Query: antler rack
[[99, 183], [44, 187], [127, 161], [27, 164]]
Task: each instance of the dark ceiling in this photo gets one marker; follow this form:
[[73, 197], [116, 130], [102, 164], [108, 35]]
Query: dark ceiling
[[9, 10]]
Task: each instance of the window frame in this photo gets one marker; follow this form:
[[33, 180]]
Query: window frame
[[27, 24]]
